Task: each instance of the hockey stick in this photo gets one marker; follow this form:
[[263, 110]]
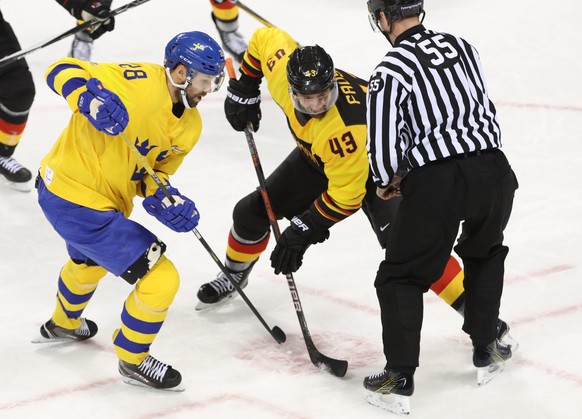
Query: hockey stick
[[23, 53], [256, 15], [275, 332], [335, 366]]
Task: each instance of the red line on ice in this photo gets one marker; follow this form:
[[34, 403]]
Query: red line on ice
[[58, 393], [268, 408]]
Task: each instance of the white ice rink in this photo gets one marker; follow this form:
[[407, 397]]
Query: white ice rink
[[230, 365]]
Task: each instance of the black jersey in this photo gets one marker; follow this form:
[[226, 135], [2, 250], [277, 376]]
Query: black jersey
[[427, 100]]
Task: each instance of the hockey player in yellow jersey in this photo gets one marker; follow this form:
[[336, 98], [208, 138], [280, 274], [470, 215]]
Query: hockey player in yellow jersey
[[323, 181], [89, 179]]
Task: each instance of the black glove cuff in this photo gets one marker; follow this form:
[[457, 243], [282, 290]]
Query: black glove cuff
[[246, 85], [318, 219], [77, 7], [305, 225]]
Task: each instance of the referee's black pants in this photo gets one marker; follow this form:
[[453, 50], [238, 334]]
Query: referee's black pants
[[477, 190]]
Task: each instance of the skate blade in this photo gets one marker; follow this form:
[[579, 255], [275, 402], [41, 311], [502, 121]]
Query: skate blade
[[42, 339], [18, 186], [137, 383], [205, 307], [393, 403], [488, 373]]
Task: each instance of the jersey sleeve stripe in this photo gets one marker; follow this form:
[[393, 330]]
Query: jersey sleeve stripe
[[73, 84], [251, 66], [56, 71]]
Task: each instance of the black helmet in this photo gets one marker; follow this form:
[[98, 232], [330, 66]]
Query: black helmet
[[394, 9], [310, 70]]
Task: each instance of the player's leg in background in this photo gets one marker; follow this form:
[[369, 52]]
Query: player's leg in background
[[82, 45], [225, 17], [16, 96]]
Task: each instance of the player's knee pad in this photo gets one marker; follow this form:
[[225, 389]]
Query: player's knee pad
[[145, 262], [250, 217], [159, 287], [17, 94]]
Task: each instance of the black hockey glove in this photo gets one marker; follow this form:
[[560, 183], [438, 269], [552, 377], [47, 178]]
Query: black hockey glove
[[89, 9], [243, 103], [292, 244]]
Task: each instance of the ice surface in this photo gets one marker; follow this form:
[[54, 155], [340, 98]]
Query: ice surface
[[231, 366]]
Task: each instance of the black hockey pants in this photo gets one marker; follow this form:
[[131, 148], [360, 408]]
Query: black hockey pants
[[292, 188]]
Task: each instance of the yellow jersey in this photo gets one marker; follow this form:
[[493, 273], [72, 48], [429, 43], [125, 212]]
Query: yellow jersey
[[98, 171], [335, 143]]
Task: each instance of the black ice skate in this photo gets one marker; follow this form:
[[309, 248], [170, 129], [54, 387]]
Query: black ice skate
[[220, 290], [390, 390], [232, 41], [50, 332], [151, 373], [490, 360], [16, 176]]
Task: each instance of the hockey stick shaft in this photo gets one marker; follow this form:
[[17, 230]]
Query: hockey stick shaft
[[255, 15], [275, 332], [335, 366], [258, 17], [23, 53]]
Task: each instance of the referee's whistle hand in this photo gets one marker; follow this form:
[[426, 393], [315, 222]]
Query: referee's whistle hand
[[388, 192]]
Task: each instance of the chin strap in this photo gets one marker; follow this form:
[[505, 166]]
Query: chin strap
[[420, 17], [182, 88]]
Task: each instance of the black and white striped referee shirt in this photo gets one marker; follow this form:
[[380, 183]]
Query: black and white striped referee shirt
[[427, 100]]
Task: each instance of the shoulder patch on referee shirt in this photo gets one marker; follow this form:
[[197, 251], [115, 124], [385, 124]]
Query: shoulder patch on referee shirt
[[376, 84]]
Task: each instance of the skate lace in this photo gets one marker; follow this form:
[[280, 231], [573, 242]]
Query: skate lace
[[234, 41], [372, 377], [10, 164], [83, 330], [221, 284], [153, 368]]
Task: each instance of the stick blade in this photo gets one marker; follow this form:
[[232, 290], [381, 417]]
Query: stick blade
[[336, 367], [278, 334]]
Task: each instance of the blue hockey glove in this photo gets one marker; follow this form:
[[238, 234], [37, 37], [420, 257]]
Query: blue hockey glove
[[287, 256], [103, 108], [180, 216]]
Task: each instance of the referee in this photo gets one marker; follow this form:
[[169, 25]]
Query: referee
[[434, 139]]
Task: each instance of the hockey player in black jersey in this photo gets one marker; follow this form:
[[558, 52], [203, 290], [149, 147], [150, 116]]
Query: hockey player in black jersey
[[434, 140]]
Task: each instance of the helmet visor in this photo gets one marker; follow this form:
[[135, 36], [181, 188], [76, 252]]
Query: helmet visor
[[373, 18], [314, 104], [205, 82]]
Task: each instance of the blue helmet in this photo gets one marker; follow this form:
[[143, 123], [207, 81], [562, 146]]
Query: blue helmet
[[197, 51]]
